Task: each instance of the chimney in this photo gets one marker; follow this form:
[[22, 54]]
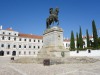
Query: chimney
[[1, 27]]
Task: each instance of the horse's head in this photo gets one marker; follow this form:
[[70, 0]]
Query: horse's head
[[56, 11]]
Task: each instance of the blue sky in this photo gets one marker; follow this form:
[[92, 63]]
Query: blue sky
[[29, 16]]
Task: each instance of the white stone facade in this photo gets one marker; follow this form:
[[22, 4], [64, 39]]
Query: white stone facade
[[67, 42], [85, 53], [13, 43]]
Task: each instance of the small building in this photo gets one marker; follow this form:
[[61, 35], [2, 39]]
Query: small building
[[67, 42]]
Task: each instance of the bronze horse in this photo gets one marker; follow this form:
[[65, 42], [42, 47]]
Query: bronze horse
[[52, 18]]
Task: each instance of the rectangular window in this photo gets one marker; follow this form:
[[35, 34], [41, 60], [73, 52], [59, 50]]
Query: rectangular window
[[29, 40], [25, 46], [8, 52], [38, 40], [14, 46], [34, 40], [66, 44], [24, 39], [3, 37], [24, 53], [29, 52], [8, 38], [8, 46], [2, 45], [38, 47], [33, 46], [19, 46], [19, 52], [3, 33], [29, 46], [34, 52], [9, 33], [20, 39], [15, 39]]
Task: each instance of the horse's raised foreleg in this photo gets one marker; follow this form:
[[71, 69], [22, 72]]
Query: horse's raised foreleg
[[47, 23]]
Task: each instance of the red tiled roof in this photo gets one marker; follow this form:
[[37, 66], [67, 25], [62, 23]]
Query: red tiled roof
[[66, 40], [10, 29], [84, 37], [30, 36], [90, 36]]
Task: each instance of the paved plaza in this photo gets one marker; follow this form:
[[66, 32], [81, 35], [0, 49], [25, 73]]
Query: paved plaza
[[9, 68]]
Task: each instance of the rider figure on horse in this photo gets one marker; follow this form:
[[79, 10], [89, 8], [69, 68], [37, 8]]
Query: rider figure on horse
[[53, 17]]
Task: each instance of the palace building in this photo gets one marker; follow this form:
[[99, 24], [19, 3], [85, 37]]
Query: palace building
[[13, 43]]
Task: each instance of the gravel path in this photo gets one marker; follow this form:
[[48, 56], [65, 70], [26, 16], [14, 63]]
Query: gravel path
[[7, 68]]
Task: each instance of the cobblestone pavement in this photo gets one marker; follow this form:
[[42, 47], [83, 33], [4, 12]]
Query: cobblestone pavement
[[7, 68]]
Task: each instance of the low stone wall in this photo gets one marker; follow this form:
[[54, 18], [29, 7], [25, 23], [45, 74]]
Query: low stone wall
[[85, 53]]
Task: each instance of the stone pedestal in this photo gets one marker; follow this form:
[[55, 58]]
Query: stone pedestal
[[52, 43]]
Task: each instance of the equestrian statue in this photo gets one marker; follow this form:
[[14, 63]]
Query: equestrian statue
[[53, 17]]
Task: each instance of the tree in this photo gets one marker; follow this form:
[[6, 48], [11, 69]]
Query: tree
[[99, 42], [95, 36], [80, 39], [72, 43], [77, 39], [87, 35]]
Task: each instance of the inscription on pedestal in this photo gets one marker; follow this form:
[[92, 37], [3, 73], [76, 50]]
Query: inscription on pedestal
[[53, 37]]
